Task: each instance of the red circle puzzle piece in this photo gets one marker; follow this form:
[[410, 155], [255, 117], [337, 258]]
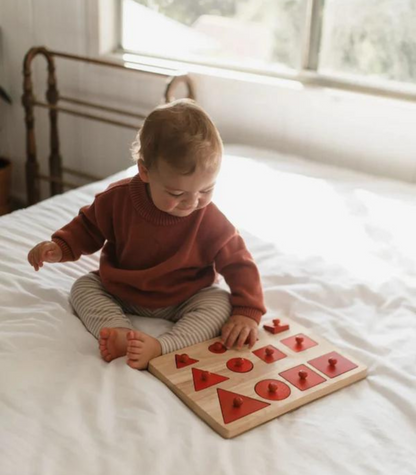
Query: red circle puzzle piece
[[272, 389], [239, 365]]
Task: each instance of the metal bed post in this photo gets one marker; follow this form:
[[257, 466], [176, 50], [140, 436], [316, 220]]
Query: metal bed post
[[53, 97]]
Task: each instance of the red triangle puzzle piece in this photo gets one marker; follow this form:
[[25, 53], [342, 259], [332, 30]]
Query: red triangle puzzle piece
[[205, 379], [234, 405], [184, 360]]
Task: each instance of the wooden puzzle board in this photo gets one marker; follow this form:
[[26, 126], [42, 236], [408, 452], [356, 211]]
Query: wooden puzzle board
[[236, 390]]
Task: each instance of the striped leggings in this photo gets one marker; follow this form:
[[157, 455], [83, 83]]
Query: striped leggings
[[198, 319]]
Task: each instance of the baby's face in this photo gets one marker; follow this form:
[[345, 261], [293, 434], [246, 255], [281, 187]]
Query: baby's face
[[176, 194]]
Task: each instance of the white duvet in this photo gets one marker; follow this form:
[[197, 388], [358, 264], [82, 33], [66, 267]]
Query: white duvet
[[336, 251]]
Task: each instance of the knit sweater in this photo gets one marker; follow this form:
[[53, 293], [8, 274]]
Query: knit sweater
[[153, 259]]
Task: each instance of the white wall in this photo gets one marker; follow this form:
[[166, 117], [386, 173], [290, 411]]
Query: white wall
[[366, 133]]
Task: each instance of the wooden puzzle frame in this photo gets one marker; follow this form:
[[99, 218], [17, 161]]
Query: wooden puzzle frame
[[311, 368]]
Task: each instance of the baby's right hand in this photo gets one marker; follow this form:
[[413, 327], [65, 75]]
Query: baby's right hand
[[47, 251]]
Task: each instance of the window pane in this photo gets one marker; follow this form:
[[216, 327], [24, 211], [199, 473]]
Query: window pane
[[249, 34], [372, 38]]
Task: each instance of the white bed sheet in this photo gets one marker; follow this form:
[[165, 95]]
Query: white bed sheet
[[336, 251]]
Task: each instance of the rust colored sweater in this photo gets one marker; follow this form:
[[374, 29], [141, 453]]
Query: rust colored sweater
[[154, 259]]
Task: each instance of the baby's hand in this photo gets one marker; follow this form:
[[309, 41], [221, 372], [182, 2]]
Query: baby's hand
[[238, 329], [47, 251]]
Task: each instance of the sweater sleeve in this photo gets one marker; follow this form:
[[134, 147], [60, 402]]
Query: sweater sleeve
[[81, 236], [236, 264]]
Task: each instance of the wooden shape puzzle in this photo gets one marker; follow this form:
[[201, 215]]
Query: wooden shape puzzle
[[312, 368]]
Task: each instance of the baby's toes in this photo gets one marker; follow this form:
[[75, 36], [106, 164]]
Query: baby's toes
[[137, 363], [106, 356], [134, 351], [133, 361], [135, 335], [104, 350], [104, 334]]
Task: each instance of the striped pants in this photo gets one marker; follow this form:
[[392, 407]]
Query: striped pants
[[198, 319]]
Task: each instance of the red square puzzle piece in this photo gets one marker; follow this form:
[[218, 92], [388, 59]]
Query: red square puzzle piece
[[309, 379], [299, 342], [269, 354], [332, 364]]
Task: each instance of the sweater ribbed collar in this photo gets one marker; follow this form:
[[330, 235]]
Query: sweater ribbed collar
[[145, 207]]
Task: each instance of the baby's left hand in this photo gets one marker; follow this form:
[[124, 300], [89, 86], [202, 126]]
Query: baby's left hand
[[238, 329]]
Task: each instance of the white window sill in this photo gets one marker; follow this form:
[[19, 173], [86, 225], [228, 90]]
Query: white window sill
[[337, 87]]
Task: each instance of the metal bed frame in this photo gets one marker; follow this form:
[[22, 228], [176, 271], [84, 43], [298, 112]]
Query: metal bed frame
[[53, 98]]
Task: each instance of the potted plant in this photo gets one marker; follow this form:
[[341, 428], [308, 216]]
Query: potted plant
[[5, 169]]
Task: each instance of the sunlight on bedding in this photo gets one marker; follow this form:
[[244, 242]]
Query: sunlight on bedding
[[308, 216], [336, 252], [390, 213]]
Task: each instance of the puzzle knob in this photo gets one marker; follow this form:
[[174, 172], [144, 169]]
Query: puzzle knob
[[303, 374], [332, 361], [272, 387], [184, 358], [276, 322], [205, 375], [299, 340], [239, 362], [238, 401], [269, 351]]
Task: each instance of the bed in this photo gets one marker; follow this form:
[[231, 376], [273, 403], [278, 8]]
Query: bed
[[336, 251]]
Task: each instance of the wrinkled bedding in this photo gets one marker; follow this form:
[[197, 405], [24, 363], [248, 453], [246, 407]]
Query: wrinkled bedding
[[336, 251]]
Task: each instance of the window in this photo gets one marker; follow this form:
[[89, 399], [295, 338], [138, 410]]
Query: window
[[366, 42], [250, 34]]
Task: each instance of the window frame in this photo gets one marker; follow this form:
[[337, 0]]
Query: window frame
[[307, 75]]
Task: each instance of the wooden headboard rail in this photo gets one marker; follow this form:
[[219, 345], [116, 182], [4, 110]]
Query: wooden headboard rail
[[53, 98]]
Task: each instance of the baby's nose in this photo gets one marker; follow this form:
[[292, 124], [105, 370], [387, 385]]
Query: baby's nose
[[191, 201]]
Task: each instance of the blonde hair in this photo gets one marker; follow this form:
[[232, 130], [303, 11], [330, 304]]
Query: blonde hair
[[182, 134]]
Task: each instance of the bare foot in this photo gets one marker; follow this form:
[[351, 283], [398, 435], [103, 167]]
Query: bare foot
[[113, 343], [141, 348]]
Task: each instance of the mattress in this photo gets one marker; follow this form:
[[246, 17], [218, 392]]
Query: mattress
[[336, 251]]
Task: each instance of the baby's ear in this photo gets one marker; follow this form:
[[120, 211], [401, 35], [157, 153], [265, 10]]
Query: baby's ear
[[143, 171]]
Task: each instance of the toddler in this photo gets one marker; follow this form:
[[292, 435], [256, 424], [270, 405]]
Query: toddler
[[163, 242]]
